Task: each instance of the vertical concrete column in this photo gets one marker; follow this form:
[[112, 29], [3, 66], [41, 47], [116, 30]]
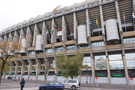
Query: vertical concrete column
[[118, 15], [75, 36], [16, 37], [53, 32], [75, 25], [1, 39], [16, 69], [102, 19], [93, 67], [5, 38], [22, 69], [29, 37], [29, 69], [38, 68], [11, 69], [10, 37], [22, 35], [107, 63], [87, 23], [103, 33], [36, 32], [125, 65], [122, 45], [64, 29], [44, 30]]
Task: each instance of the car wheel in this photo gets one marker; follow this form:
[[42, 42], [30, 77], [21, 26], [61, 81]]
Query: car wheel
[[43, 89], [73, 87]]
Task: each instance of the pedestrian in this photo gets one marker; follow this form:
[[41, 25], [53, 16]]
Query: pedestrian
[[22, 83]]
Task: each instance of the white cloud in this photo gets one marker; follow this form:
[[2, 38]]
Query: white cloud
[[15, 11]]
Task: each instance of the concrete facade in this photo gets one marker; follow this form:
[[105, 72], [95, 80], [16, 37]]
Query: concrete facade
[[93, 14]]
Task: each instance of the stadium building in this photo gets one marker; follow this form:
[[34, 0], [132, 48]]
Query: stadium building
[[103, 30]]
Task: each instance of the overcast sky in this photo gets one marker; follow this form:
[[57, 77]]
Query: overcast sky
[[15, 11]]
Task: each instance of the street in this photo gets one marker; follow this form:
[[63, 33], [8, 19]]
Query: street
[[33, 85]]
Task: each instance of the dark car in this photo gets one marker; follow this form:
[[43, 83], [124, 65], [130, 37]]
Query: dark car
[[9, 77], [52, 86]]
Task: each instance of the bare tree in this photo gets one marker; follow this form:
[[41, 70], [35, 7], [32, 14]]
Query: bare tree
[[7, 49]]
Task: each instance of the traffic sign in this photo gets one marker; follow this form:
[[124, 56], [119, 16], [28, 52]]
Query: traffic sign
[[55, 74], [96, 77], [131, 78]]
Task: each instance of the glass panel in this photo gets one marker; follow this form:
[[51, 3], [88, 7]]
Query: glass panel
[[49, 50], [129, 40], [100, 61], [59, 49], [130, 55], [86, 62], [31, 53], [71, 47], [116, 63], [115, 60], [51, 83], [97, 44], [130, 63], [115, 57]]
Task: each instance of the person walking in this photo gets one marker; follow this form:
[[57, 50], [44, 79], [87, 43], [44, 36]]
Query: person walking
[[22, 83]]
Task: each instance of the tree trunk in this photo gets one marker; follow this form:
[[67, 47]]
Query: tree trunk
[[2, 68]]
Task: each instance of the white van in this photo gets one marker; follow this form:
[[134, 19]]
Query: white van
[[73, 84]]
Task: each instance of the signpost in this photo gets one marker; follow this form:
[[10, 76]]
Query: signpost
[[97, 81], [96, 77], [132, 82]]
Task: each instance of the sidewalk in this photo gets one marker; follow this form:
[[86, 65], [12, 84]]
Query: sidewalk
[[31, 88]]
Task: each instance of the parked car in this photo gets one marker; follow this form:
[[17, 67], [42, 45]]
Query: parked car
[[52, 86], [71, 84], [9, 77]]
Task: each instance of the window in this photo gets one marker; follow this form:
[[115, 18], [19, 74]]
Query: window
[[57, 83], [51, 83], [72, 81], [49, 50], [115, 60], [71, 47], [130, 56], [100, 61], [129, 40], [59, 48], [130, 59], [86, 62], [31, 53], [83, 46], [98, 44], [39, 52]]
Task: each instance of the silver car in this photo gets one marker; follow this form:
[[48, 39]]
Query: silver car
[[73, 84]]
